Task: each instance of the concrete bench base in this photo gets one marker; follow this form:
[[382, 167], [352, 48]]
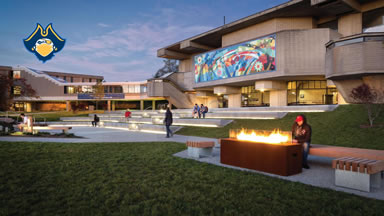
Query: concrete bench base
[[357, 180], [197, 149], [199, 152], [358, 173]]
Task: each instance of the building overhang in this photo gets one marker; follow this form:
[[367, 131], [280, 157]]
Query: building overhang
[[295, 8]]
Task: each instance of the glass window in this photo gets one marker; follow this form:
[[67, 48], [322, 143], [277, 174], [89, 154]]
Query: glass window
[[16, 75], [131, 89], [70, 90], [90, 79], [317, 84], [323, 84], [137, 88], [17, 90], [65, 78], [71, 79]]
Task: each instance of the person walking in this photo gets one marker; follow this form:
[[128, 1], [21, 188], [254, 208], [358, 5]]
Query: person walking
[[168, 122], [301, 133]]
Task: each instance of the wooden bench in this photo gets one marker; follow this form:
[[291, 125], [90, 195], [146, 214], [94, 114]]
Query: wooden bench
[[358, 173], [339, 152], [199, 149]]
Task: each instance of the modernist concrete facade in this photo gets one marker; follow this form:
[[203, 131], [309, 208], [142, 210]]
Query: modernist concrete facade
[[66, 91], [323, 51]]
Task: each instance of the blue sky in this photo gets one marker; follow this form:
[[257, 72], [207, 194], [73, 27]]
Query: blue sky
[[117, 39]]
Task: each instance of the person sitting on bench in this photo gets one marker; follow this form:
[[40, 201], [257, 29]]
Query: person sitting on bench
[[95, 121], [26, 122]]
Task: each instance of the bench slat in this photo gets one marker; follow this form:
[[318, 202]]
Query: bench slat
[[376, 167]]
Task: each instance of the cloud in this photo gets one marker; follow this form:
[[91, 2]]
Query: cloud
[[125, 53], [103, 25]]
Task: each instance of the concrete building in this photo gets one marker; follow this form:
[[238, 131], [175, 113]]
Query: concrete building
[[297, 53], [66, 91]]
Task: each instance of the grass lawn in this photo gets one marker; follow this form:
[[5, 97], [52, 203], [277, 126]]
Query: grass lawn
[[340, 127], [145, 179]]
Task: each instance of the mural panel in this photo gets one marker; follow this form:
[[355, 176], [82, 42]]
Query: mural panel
[[243, 59]]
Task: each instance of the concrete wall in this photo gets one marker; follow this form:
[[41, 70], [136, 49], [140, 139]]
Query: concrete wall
[[298, 53], [186, 65], [43, 86], [278, 98], [234, 100], [350, 24], [265, 28], [354, 59]]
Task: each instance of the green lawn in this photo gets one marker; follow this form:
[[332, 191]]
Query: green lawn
[[340, 127], [145, 179]]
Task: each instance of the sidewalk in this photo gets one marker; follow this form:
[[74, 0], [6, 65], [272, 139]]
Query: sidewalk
[[100, 134], [320, 174]]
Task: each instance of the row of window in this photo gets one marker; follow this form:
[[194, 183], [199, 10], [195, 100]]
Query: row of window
[[106, 89], [82, 79], [302, 84]]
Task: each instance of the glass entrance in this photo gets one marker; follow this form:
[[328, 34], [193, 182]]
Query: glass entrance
[[223, 101], [250, 97], [311, 92]]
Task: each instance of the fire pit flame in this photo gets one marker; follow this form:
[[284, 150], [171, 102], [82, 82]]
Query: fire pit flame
[[271, 137]]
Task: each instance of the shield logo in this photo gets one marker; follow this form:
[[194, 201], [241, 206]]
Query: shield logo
[[44, 42]]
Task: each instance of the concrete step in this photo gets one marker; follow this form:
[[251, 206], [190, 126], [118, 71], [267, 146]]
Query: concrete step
[[156, 121], [119, 125]]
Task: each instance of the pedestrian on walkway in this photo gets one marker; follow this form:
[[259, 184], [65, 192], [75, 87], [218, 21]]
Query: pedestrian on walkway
[[301, 133], [168, 122]]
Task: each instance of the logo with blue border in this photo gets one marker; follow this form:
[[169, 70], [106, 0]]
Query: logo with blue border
[[44, 43]]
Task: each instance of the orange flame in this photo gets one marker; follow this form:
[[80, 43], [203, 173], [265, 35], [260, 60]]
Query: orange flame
[[271, 137]]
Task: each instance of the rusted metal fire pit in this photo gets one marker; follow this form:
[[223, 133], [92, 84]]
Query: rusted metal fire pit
[[281, 158]]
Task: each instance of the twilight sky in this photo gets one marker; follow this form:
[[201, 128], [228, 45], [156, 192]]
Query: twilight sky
[[117, 39]]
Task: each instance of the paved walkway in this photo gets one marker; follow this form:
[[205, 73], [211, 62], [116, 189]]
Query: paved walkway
[[321, 173], [97, 134]]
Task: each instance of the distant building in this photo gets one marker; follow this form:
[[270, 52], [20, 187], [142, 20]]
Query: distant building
[[66, 91], [297, 53]]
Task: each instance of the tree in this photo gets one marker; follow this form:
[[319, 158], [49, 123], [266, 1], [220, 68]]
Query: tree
[[370, 98], [11, 88], [99, 94], [170, 66]]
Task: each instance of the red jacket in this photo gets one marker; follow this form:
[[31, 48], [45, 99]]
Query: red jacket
[[127, 114]]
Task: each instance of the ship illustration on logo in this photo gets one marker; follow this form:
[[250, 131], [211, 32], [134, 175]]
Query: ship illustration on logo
[[44, 42]]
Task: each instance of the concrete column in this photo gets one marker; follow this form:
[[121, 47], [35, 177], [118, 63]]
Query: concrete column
[[350, 24], [113, 105], [234, 100], [153, 105], [278, 98], [212, 102], [109, 105], [141, 105], [68, 106]]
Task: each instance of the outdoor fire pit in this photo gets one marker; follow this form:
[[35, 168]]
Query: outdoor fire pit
[[267, 151]]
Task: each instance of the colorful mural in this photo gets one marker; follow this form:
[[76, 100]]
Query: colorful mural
[[237, 60]]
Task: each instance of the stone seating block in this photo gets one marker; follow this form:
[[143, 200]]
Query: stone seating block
[[357, 173], [200, 149]]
